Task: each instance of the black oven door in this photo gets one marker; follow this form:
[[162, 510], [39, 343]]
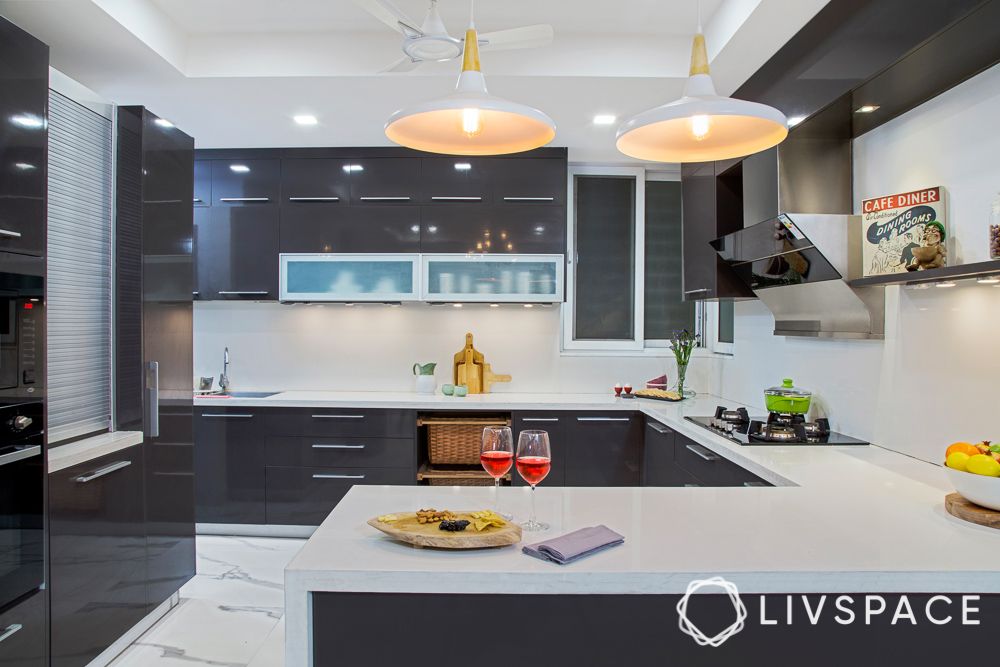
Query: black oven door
[[21, 529]]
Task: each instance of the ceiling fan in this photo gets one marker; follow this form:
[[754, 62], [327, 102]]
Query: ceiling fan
[[431, 41]]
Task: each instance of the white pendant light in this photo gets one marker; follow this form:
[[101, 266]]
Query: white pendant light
[[702, 125], [470, 121]]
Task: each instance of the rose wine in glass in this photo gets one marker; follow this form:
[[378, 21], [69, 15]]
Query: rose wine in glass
[[534, 460], [497, 455]]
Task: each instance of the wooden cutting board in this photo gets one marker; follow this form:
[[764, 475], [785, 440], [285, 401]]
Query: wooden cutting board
[[963, 509], [408, 530]]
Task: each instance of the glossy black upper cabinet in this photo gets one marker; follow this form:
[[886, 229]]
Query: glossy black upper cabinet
[[24, 82], [518, 180], [451, 180], [97, 541], [315, 181], [237, 252], [202, 183], [711, 206], [345, 229], [384, 180], [246, 182], [465, 227]]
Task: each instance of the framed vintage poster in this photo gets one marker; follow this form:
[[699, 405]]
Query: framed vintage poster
[[904, 232]]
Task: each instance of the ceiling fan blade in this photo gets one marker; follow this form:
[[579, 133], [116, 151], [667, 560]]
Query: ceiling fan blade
[[388, 13], [404, 64], [528, 36]]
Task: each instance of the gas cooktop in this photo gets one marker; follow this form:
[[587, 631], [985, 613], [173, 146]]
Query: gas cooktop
[[774, 429]]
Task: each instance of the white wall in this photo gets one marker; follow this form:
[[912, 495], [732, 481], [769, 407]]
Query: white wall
[[374, 347], [936, 377]]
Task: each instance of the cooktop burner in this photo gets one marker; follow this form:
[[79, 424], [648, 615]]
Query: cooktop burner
[[775, 429]]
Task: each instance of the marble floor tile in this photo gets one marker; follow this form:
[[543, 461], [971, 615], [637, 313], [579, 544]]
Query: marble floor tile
[[230, 614]]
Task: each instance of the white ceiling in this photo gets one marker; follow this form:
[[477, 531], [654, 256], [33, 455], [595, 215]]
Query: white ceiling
[[232, 73]]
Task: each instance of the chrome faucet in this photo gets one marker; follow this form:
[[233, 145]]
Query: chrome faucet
[[224, 378]]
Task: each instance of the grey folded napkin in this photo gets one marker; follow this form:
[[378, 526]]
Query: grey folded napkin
[[576, 545]]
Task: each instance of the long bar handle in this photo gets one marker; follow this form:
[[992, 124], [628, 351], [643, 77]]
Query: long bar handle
[[320, 445], [385, 199], [153, 399], [338, 416], [228, 415], [245, 199], [11, 629], [246, 293], [456, 199], [602, 419], [697, 291], [659, 428], [101, 472], [529, 198], [329, 476], [20, 455], [10, 234], [316, 199], [539, 419], [702, 453]]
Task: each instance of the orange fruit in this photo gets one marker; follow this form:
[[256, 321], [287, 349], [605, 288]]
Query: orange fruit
[[964, 447]]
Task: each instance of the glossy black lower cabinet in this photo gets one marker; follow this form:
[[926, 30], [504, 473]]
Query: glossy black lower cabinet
[[659, 467], [22, 628], [711, 468], [229, 465], [306, 496], [553, 423], [605, 449], [170, 519], [98, 555]]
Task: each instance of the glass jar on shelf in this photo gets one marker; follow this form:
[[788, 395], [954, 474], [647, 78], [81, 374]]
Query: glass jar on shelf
[[995, 229]]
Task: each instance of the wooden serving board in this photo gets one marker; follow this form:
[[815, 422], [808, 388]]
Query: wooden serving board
[[963, 509], [407, 529]]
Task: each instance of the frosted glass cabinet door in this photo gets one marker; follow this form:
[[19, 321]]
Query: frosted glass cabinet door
[[350, 277], [493, 278]]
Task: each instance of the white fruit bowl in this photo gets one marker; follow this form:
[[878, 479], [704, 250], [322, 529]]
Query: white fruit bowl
[[978, 489]]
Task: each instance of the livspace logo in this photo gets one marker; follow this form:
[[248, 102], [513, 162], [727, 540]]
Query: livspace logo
[[821, 609]]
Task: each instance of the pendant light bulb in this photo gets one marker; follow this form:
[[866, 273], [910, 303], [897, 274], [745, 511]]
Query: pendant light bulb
[[700, 125], [472, 122]]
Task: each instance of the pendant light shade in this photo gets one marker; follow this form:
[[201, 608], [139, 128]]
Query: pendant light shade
[[701, 126], [470, 121]]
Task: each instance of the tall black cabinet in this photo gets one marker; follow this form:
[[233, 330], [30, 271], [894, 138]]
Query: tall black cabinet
[[154, 278]]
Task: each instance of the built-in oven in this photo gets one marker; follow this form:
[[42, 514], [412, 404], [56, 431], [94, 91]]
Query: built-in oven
[[22, 496], [21, 329]]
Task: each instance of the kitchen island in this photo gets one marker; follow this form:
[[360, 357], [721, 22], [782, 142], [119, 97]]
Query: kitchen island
[[838, 521]]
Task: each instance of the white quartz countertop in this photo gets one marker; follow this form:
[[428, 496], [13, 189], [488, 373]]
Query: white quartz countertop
[[842, 519]]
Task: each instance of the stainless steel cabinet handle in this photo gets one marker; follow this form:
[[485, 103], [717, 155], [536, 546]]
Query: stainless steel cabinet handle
[[697, 291], [659, 428], [20, 455], [602, 419], [244, 293], [198, 200], [227, 415], [101, 472], [456, 199], [756, 484], [385, 199], [314, 199], [702, 453], [153, 398], [328, 476], [529, 198], [10, 234], [697, 485], [244, 199], [319, 445], [10, 630], [338, 416], [540, 419]]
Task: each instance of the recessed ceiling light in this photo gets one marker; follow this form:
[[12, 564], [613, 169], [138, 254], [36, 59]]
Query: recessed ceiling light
[[24, 166], [456, 305], [28, 120], [432, 228], [163, 122], [305, 119], [947, 284], [989, 280], [463, 166], [494, 305], [353, 167], [867, 108], [239, 168], [605, 119], [529, 305], [795, 120], [348, 304], [414, 228]]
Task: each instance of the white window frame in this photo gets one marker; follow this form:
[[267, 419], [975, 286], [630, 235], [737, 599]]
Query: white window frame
[[568, 312], [710, 330]]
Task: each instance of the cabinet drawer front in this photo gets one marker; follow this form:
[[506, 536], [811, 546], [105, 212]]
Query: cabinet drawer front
[[710, 468], [305, 496], [22, 633], [340, 451], [343, 422]]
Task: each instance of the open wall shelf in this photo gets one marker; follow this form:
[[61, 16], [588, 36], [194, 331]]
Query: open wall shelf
[[958, 272]]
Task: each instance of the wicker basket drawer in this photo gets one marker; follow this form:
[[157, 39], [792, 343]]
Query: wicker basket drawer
[[456, 440]]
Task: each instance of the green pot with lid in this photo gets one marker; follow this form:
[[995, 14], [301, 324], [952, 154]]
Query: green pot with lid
[[787, 399]]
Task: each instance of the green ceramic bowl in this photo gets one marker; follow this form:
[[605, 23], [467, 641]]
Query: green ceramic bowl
[[447, 389], [461, 390]]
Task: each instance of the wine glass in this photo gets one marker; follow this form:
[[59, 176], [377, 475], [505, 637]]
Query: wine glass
[[534, 459], [497, 455]]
